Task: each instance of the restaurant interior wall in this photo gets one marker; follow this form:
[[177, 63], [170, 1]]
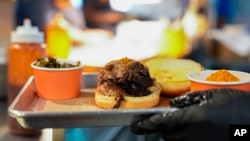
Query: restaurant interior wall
[[6, 26]]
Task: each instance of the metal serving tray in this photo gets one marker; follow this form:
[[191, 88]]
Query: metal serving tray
[[32, 111]]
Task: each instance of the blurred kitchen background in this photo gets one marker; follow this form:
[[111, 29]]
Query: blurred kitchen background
[[212, 32]]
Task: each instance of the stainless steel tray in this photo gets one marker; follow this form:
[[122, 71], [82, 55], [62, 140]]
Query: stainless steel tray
[[32, 111]]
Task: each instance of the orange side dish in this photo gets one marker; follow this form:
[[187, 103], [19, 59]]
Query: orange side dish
[[222, 76]]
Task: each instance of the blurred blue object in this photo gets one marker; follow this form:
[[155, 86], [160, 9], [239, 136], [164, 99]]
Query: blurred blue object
[[118, 133], [78, 4], [232, 11], [225, 9]]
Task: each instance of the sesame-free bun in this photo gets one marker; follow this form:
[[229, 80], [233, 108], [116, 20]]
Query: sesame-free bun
[[171, 74], [107, 100]]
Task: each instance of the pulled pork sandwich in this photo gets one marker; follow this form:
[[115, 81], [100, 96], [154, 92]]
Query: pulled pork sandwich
[[126, 83]]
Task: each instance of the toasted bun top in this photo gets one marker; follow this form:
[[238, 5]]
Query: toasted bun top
[[172, 69], [172, 74]]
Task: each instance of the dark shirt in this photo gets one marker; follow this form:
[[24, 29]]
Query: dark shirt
[[98, 4]]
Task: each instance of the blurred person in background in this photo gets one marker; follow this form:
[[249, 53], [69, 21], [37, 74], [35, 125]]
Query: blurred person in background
[[231, 18], [41, 12], [99, 14]]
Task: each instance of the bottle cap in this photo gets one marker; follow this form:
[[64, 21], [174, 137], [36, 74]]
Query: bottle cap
[[59, 21], [27, 33]]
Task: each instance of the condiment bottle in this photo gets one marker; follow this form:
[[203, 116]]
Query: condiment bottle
[[27, 44], [174, 42], [57, 38]]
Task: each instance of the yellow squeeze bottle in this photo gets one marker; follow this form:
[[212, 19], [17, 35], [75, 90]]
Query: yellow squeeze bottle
[[173, 41], [57, 38]]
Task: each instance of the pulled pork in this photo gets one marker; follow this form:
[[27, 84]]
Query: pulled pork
[[127, 76]]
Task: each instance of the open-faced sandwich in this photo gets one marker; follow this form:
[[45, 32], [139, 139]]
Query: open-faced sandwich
[[126, 83]]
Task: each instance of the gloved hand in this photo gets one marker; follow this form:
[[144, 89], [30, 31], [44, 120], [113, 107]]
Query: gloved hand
[[202, 116]]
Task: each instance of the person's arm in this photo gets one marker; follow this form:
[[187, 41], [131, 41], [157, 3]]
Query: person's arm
[[203, 116]]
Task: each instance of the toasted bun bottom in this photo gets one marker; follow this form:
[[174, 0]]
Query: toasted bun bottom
[[130, 102], [175, 88]]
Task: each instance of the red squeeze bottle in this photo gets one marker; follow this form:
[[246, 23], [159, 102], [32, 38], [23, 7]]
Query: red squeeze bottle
[[27, 44]]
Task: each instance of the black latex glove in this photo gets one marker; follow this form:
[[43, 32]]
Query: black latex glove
[[203, 116]]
